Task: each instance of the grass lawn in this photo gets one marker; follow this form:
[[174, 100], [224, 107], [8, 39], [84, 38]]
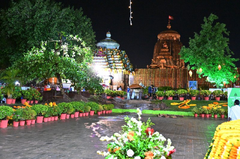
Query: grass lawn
[[173, 109]]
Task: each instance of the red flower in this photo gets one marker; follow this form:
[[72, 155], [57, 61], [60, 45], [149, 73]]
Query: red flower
[[171, 152], [149, 131]]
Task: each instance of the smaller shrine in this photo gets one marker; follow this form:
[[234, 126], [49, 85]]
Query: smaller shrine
[[112, 64]]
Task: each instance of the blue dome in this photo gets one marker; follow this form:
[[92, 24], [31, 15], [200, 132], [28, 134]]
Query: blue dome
[[108, 43]]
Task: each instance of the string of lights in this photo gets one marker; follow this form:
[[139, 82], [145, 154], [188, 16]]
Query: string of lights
[[130, 15]]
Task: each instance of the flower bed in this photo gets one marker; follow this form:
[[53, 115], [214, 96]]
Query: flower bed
[[226, 141], [137, 140]]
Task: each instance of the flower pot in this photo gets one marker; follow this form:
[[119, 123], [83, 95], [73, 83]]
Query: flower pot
[[91, 113], [206, 98], [207, 115], [39, 119], [36, 101], [4, 124], [55, 118], [215, 115], [81, 114], [72, 115], [15, 123], [33, 121], [13, 101], [222, 116], [45, 120], [202, 115], [104, 111], [28, 101], [195, 115], [63, 116], [181, 98], [28, 122], [31, 101], [99, 113], [22, 122], [87, 113], [110, 111], [67, 116], [170, 98], [9, 101], [160, 98], [52, 118], [109, 97], [23, 101], [193, 98], [217, 98], [49, 118], [210, 115], [76, 114]]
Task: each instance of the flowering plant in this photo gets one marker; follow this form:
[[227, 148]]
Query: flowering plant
[[137, 140]]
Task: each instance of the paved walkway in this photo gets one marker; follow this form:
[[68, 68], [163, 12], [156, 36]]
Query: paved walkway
[[78, 138]]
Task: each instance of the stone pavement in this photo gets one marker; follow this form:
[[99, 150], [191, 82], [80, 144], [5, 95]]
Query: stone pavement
[[78, 138]]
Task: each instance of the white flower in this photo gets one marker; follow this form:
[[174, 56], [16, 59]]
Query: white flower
[[137, 157], [163, 157], [130, 153]]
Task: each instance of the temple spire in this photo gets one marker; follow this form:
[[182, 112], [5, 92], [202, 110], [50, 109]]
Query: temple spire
[[169, 25]]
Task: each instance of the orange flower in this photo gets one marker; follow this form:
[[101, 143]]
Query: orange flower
[[130, 135], [116, 149], [109, 150], [45, 104], [149, 155]]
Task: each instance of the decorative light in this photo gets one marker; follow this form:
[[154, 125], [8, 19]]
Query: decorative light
[[200, 70], [207, 78], [224, 83], [130, 15], [190, 73], [219, 67]]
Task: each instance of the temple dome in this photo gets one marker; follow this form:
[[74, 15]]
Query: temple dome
[[169, 34], [108, 43]]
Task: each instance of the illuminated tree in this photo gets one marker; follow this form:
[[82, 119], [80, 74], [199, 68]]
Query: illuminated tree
[[209, 53]]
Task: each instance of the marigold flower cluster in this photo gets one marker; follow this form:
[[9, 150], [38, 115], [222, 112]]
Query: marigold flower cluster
[[137, 141], [226, 141]]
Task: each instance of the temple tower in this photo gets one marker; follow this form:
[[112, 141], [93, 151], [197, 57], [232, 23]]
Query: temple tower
[[166, 50]]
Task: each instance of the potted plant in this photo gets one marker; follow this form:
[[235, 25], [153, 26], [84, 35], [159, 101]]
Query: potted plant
[[16, 94], [217, 94], [206, 94], [194, 94], [100, 109], [36, 95], [215, 112], [226, 94], [56, 111], [221, 112], [160, 94], [108, 93], [4, 112], [94, 107], [25, 95], [70, 110], [40, 110], [170, 94], [64, 109], [181, 93], [195, 111], [87, 110], [28, 114]]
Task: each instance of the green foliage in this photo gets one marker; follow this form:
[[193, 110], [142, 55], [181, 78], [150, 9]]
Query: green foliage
[[26, 94], [78, 105], [217, 93], [181, 92], [164, 88], [28, 113], [145, 90], [194, 92], [65, 107], [221, 111], [160, 93], [87, 108], [45, 20], [209, 49], [18, 114], [55, 110], [170, 93], [5, 111], [16, 93], [195, 110], [94, 106], [205, 93], [40, 109]]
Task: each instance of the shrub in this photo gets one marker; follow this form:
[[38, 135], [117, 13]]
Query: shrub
[[217, 93], [87, 108], [205, 92], [17, 114], [28, 113], [182, 92], [195, 110], [5, 111], [40, 109], [170, 93], [194, 93], [94, 106], [160, 93]]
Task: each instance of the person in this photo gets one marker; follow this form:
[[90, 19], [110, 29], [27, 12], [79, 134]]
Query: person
[[128, 92], [133, 94], [234, 112], [120, 88], [150, 91]]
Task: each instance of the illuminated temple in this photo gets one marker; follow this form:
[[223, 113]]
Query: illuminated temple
[[112, 64]]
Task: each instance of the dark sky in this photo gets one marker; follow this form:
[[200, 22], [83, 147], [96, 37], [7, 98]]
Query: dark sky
[[150, 17]]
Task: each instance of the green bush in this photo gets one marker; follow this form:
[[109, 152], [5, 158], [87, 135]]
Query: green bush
[[18, 114], [170, 93], [28, 113], [194, 93], [160, 93], [94, 106], [164, 88], [5, 111], [181, 92], [217, 93], [87, 108], [195, 110], [40, 109], [205, 92]]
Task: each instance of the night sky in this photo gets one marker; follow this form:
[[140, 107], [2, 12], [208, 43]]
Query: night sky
[[150, 17]]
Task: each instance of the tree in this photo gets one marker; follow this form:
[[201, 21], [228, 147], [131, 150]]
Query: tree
[[209, 53], [57, 58], [28, 22]]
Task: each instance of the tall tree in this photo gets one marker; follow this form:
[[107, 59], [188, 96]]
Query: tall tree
[[209, 53], [28, 22]]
